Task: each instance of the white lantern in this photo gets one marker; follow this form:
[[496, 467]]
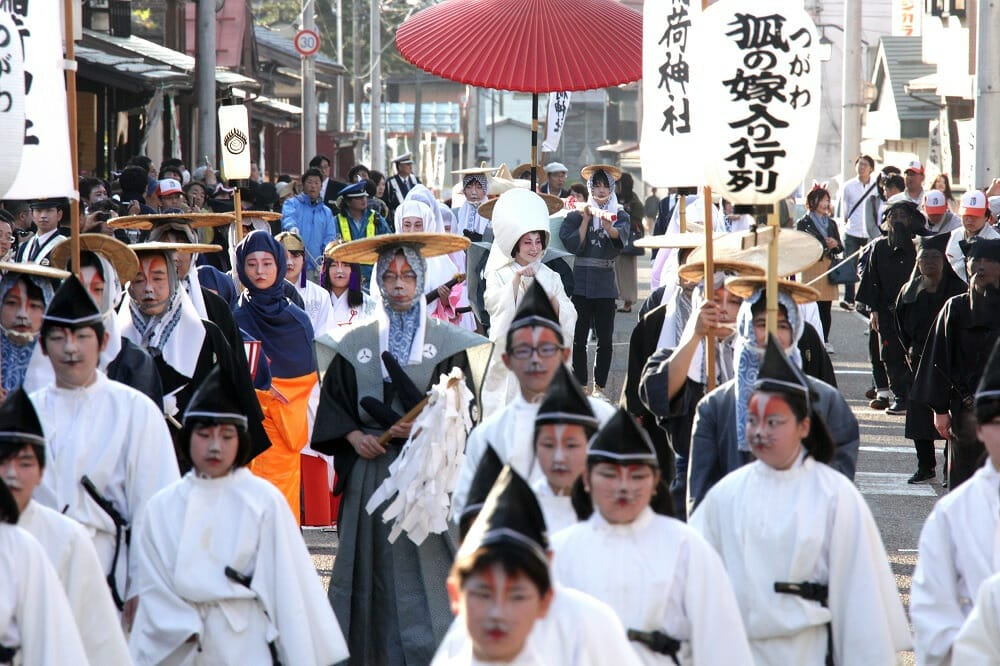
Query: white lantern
[[234, 130], [11, 102], [757, 94], [670, 148]]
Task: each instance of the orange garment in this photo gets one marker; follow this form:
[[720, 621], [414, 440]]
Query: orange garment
[[287, 427]]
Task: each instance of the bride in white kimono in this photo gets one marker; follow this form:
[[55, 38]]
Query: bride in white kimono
[[223, 575], [521, 236], [798, 540]]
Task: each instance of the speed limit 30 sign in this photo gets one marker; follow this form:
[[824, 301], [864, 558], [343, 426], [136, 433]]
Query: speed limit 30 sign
[[307, 42]]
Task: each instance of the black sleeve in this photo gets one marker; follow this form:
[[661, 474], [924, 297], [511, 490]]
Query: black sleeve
[[815, 359], [135, 367]]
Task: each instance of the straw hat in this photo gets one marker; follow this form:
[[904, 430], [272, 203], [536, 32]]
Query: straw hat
[[695, 271], [797, 251], [139, 248], [27, 268], [522, 170], [483, 170], [678, 241], [613, 171], [552, 202], [744, 286], [367, 250], [121, 256], [196, 220]]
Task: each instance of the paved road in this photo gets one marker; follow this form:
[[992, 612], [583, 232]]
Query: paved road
[[885, 462]]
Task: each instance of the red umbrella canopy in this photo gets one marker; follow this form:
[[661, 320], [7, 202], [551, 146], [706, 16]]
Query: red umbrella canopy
[[526, 45]]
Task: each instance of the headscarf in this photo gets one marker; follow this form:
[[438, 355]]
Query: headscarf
[[610, 205], [439, 269], [403, 327], [748, 355], [698, 369], [950, 282], [215, 280], [14, 359], [284, 330], [469, 212]]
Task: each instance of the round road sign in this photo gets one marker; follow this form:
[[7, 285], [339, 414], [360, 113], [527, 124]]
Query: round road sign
[[307, 42]]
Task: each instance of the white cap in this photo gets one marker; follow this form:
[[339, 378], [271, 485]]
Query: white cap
[[556, 167], [894, 199], [914, 165], [934, 202], [405, 158], [973, 203], [168, 186]]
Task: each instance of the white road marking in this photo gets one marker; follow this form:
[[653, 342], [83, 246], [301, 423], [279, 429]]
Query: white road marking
[[887, 483]]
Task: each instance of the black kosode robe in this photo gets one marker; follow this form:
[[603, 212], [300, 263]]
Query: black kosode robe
[[135, 367], [390, 599]]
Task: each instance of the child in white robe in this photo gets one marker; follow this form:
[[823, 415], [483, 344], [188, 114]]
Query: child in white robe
[[978, 642], [958, 547], [223, 574], [798, 540], [664, 581]]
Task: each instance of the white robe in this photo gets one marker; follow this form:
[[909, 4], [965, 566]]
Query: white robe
[[117, 437], [342, 315], [978, 643], [657, 574], [34, 614], [958, 551], [578, 630], [190, 533], [557, 509], [510, 432], [72, 554], [317, 305], [805, 524], [500, 384]]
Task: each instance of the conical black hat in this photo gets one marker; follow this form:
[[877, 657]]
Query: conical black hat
[[981, 248], [215, 402], [565, 402], [482, 483], [989, 384], [536, 310], [19, 421], [778, 374], [510, 516], [937, 242], [72, 306], [623, 442]]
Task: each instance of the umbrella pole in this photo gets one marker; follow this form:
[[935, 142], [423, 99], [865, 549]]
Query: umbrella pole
[[74, 216], [534, 142], [772, 272], [709, 286]]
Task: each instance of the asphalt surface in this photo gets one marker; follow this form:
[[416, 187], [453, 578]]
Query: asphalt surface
[[886, 459]]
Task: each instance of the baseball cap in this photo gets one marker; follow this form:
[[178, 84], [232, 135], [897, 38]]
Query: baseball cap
[[916, 166], [973, 203], [168, 186], [934, 203]]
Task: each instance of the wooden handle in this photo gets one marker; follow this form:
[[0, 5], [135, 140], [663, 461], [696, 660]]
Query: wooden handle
[[411, 415]]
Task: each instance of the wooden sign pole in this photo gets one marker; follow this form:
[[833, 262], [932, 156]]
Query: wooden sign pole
[[74, 214], [709, 286], [772, 271]]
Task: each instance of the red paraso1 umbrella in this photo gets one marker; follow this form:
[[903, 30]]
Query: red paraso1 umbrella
[[534, 46]]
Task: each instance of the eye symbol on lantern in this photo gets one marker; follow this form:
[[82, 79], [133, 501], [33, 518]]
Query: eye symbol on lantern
[[235, 142]]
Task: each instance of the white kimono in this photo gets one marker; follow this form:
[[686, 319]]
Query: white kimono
[[978, 643], [510, 432], [72, 554], [317, 304], [118, 438], [657, 574], [190, 533], [805, 524], [35, 617], [958, 551], [578, 630], [500, 384], [557, 509]]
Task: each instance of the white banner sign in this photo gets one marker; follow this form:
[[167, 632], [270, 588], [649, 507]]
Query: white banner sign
[[670, 149], [757, 95], [45, 168], [234, 128], [555, 121]]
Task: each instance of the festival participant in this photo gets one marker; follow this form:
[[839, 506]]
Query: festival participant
[[25, 292], [975, 214], [47, 215], [661, 578], [797, 538], [957, 551], [108, 448], [534, 350], [405, 621], [563, 426], [475, 187], [718, 442], [978, 642], [955, 355], [916, 308], [35, 605], [66, 542], [286, 347], [348, 303], [223, 575], [515, 262], [315, 299], [595, 235], [103, 260], [158, 315]]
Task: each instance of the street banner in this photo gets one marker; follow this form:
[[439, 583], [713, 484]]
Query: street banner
[[555, 120], [42, 134], [234, 129]]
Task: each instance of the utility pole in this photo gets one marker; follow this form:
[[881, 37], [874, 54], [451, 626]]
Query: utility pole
[[418, 102], [205, 80], [376, 144], [987, 93], [356, 64], [850, 115], [309, 106], [338, 113]]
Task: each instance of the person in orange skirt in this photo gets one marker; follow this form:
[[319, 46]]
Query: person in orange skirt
[[286, 337]]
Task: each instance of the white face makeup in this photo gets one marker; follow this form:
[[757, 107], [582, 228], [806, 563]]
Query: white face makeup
[[774, 434], [499, 610]]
